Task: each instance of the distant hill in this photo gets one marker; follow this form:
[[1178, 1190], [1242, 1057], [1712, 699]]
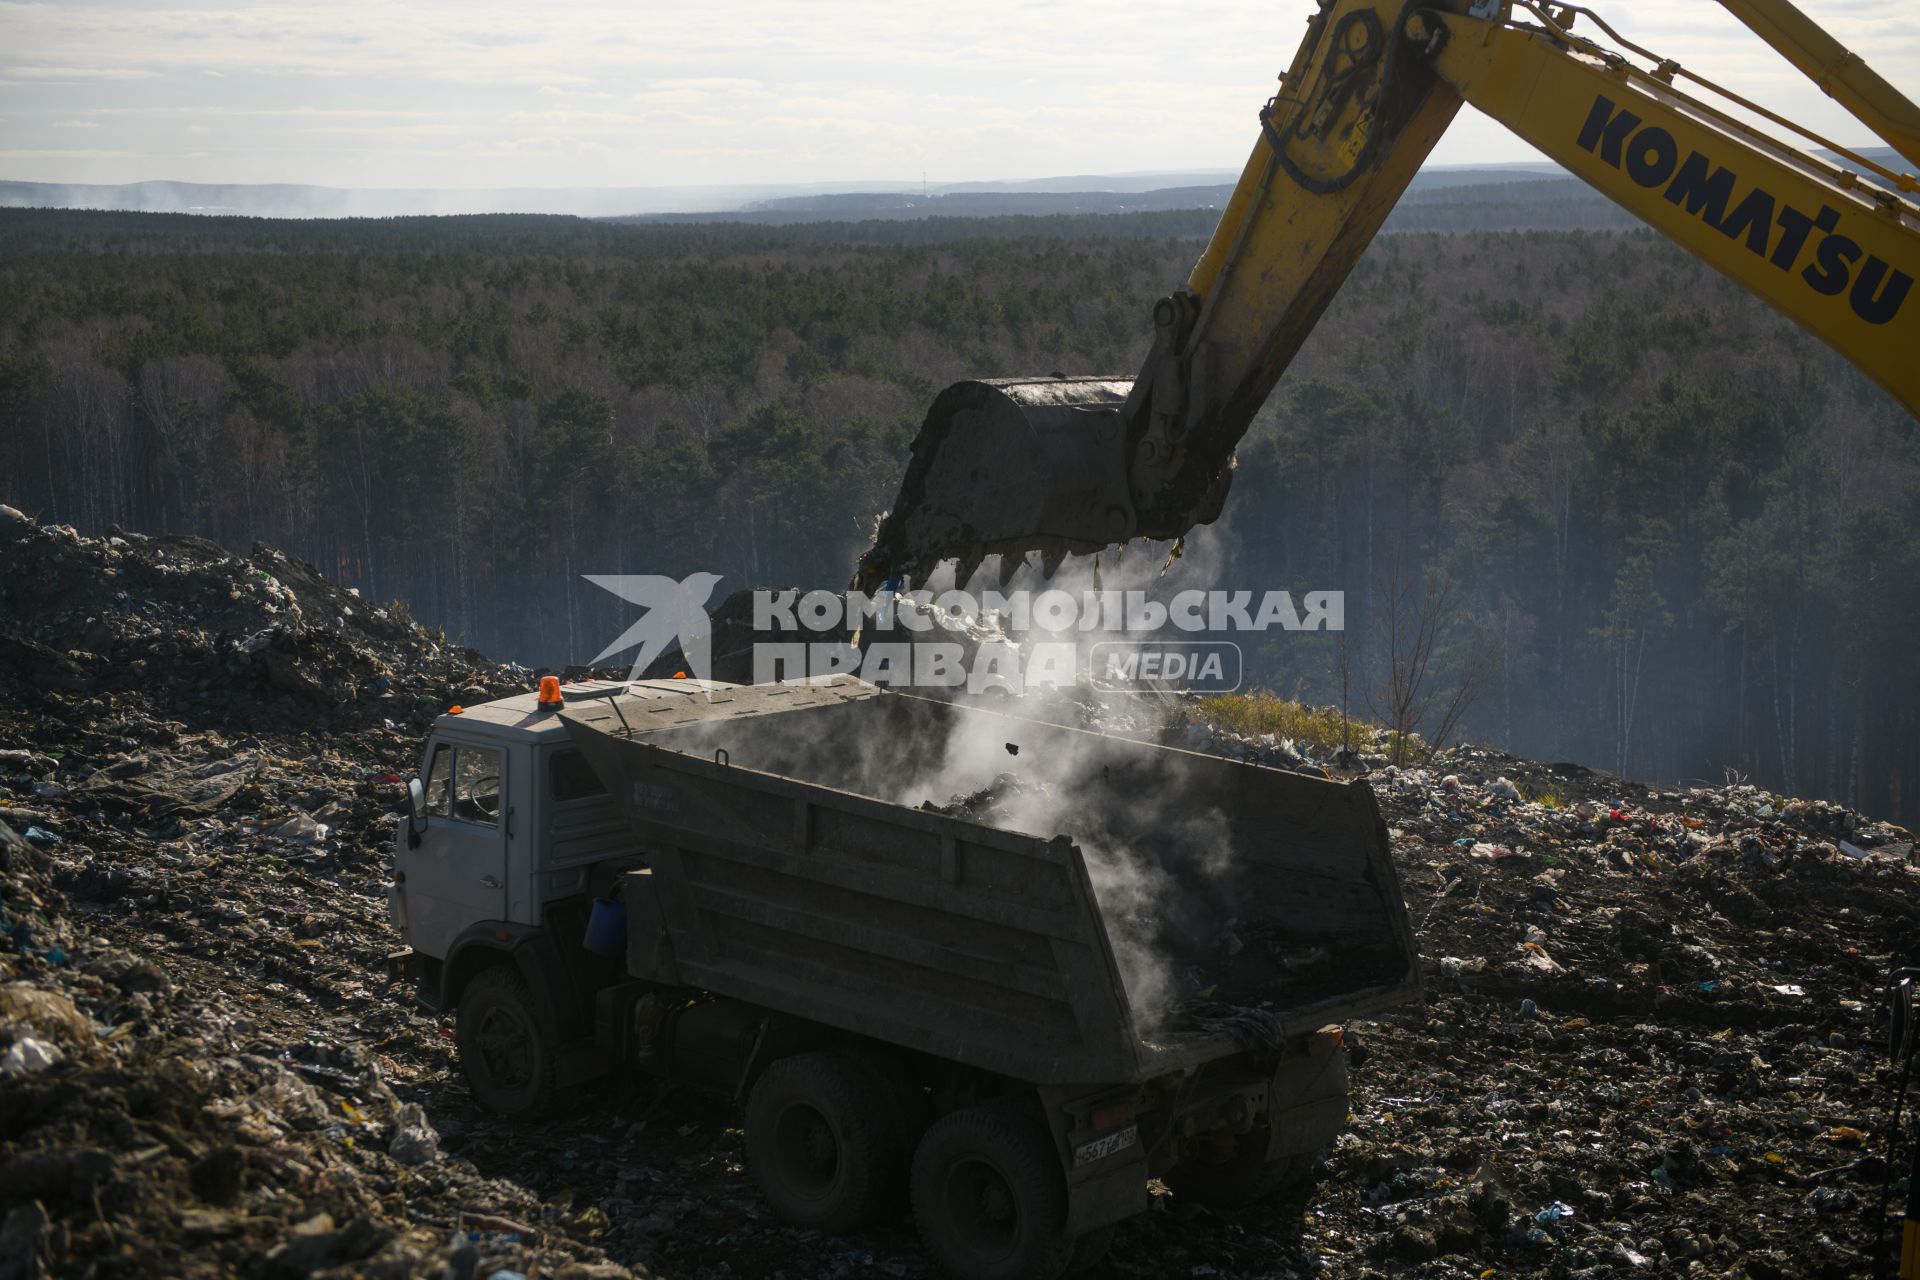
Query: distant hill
[[802, 202], [288, 200], [1885, 157], [1030, 199], [1533, 196], [1558, 204]]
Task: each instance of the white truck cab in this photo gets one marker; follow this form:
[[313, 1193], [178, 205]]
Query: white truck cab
[[509, 836]]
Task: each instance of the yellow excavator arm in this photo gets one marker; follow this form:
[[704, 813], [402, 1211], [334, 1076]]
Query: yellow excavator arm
[[1839, 72], [1835, 253], [1054, 465]]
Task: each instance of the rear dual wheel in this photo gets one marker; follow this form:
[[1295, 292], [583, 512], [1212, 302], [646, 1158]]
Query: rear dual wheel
[[825, 1142], [829, 1138], [989, 1200]]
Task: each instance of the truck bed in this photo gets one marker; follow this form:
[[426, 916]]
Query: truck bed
[[1041, 901]]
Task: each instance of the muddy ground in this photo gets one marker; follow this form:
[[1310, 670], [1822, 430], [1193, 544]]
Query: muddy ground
[[1650, 1045]]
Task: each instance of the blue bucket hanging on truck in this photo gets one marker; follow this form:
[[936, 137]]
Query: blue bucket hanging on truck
[[606, 928]]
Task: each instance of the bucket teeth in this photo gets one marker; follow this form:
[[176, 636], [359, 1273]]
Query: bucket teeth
[[1050, 559], [1010, 564]]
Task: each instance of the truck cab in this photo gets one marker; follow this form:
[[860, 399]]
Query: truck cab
[[509, 837]]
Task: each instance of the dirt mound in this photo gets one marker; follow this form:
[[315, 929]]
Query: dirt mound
[[200, 755], [196, 632]]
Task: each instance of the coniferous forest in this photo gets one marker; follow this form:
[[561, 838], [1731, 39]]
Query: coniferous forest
[[1671, 534]]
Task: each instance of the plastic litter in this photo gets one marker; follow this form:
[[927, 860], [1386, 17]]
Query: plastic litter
[[28, 1056]]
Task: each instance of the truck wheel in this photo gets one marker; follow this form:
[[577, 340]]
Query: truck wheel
[[507, 1060], [822, 1142], [989, 1198], [1244, 1178]]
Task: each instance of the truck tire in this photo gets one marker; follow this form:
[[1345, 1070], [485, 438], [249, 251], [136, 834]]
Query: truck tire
[[823, 1142], [989, 1198], [507, 1058], [1244, 1178]]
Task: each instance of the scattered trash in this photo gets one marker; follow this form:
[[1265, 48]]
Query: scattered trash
[[28, 1056], [414, 1141], [300, 829]]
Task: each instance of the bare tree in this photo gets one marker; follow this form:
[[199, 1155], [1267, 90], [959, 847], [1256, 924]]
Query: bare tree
[[181, 397], [1477, 666], [1343, 663], [1412, 620]]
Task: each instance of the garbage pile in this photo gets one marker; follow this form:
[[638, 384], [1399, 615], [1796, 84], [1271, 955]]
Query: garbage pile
[[204, 1072], [199, 633], [1650, 1043], [1269, 749]]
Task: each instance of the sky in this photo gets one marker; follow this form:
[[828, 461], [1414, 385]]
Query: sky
[[584, 93]]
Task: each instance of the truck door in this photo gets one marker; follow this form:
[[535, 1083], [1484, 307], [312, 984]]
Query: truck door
[[458, 875]]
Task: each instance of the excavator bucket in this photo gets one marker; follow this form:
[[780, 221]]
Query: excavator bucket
[[1008, 466], [1064, 465]]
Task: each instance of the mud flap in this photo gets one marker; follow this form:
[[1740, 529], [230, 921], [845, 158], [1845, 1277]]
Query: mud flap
[[1117, 1191], [1309, 1099]]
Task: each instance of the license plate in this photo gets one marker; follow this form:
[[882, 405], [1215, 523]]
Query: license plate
[[1101, 1148]]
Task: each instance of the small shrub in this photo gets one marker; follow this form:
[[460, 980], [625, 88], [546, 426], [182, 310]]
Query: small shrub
[[1317, 728]]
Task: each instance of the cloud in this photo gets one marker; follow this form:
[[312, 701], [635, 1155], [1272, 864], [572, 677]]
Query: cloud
[[612, 92], [77, 73], [75, 124], [33, 153]]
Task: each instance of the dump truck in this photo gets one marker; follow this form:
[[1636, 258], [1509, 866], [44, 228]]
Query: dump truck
[[992, 971]]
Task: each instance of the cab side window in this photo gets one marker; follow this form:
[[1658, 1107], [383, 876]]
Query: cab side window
[[476, 785], [440, 783]]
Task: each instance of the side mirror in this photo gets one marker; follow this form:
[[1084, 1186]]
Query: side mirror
[[416, 811]]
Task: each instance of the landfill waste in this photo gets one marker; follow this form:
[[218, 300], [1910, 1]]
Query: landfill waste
[[414, 1141], [28, 1055], [1268, 749], [1650, 1044], [990, 804]]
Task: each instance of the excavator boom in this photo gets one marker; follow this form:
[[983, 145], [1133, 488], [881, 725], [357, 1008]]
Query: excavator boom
[[1839, 72], [1831, 251], [1071, 465]]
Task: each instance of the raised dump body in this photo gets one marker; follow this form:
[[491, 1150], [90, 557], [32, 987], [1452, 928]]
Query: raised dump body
[[1079, 908]]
